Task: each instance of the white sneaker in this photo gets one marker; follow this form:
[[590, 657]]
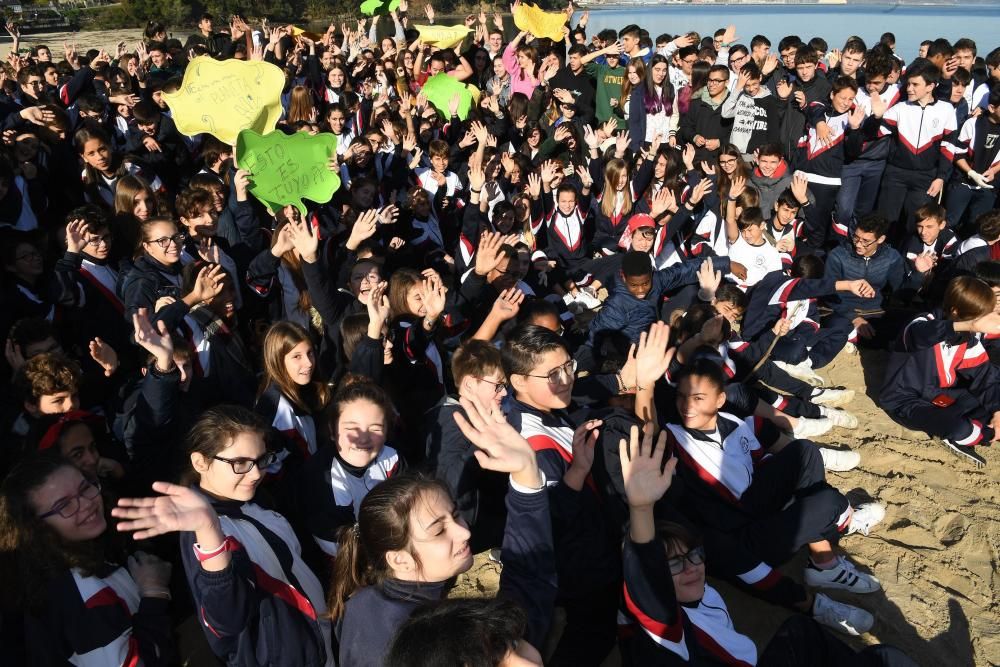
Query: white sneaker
[[811, 428], [844, 576], [588, 300], [851, 348], [865, 517], [839, 460], [831, 397], [841, 418], [802, 371], [841, 617]]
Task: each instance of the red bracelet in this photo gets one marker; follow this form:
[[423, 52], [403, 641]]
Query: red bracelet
[[228, 544]]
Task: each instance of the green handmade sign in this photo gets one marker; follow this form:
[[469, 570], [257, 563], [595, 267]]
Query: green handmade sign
[[285, 169], [439, 91], [373, 7]]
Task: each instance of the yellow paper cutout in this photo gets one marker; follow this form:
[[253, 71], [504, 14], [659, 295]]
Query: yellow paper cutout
[[224, 97], [539, 22], [314, 36], [442, 36]]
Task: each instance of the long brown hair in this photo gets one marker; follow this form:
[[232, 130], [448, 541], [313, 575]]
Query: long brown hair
[[612, 172], [37, 550], [300, 106], [627, 87], [293, 263], [725, 182], [383, 526], [967, 298], [279, 341], [402, 281], [217, 428]]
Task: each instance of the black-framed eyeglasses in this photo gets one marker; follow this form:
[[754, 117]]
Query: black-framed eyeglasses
[[560, 374], [31, 254], [243, 465], [498, 387], [98, 240], [718, 80], [68, 507], [165, 241], [696, 557], [857, 240]]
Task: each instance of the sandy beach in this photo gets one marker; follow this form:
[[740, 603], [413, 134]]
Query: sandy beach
[[935, 553]]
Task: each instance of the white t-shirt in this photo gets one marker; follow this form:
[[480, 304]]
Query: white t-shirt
[[759, 260]]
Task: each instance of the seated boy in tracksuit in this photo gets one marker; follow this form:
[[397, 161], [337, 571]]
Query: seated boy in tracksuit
[[865, 256], [940, 379], [760, 503], [930, 249], [793, 297], [479, 494], [542, 374]]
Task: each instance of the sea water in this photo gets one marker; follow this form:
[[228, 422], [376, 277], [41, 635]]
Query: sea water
[[835, 23]]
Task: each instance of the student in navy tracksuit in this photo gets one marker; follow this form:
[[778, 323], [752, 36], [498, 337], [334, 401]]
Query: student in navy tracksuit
[[339, 477], [256, 600], [479, 494], [675, 617], [793, 297], [866, 256], [85, 604], [739, 492], [542, 374], [940, 379], [409, 543]]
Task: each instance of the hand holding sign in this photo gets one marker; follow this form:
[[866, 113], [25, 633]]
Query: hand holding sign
[[287, 169], [440, 90], [538, 22], [222, 98]]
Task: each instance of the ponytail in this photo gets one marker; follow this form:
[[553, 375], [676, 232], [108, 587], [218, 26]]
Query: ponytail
[[383, 526]]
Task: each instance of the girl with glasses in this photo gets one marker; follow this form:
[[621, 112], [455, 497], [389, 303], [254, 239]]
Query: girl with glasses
[[85, 598], [154, 281], [24, 292], [256, 599], [338, 478]]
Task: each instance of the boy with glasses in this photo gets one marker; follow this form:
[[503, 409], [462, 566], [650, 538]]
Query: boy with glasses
[[479, 494], [865, 256], [703, 124], [542, 374]]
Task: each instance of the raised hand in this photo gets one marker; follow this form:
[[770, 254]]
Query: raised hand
[[508, 304], [75, 235], [708, 278], [488, 255], [434, 297], [652, 356], [208, 285], [104, 355], [800, 188], [305, 241], [363, 229], [688, 156], [664, 201], [646, 475], [621, 143], [534, 185], [707, 168], [738, 186], [155, 340], [499, 446], [179, 509], [584, 439], [378, 307], [699, 191]]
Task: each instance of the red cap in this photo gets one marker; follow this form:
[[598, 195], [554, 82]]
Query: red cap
[[640, 220]]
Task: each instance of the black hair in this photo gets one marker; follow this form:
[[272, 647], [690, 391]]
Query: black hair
[[536, 307], [467, 632], [704, 368], [989, 272], [807, 266], [525, 345], [759, 40], [788, 42], [940, 47], [787, 199], [874, 223], [731, 293], [636, 263]]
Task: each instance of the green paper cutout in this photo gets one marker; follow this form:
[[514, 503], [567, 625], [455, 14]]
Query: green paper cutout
[[373, 7], [285, 169], [439, 90]]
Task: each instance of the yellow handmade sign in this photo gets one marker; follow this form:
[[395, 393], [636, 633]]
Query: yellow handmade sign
[[314, 36], [222, 98], [538, 22], [442, 36]]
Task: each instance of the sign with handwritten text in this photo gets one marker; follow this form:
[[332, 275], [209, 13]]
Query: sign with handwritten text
[[223, 98], [285, 169]]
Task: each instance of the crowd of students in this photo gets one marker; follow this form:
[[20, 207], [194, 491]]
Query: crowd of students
[[579, 329]]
